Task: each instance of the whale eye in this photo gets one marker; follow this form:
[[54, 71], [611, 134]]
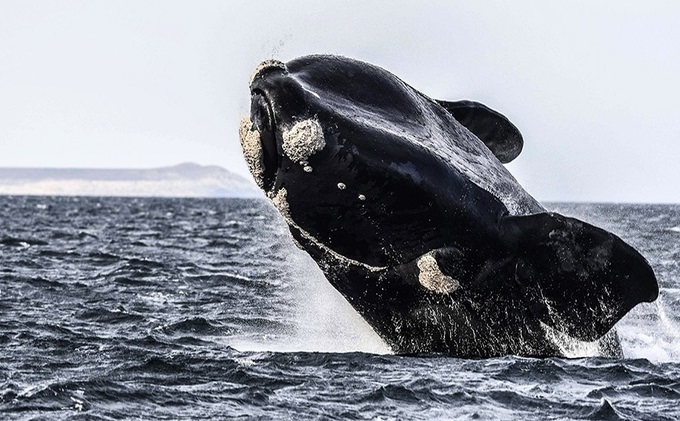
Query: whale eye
[[262, 116]]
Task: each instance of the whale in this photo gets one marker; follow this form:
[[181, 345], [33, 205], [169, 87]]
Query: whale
[[406, 206]]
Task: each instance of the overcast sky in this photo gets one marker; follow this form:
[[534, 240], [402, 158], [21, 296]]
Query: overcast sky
[[593, 86]]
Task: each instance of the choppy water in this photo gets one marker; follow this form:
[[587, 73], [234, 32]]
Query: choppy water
[[117, 308]]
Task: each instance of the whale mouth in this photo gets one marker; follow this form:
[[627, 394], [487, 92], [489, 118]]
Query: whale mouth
[[262, 116]]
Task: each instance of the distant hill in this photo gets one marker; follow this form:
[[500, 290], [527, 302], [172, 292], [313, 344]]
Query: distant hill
[[184, 180]]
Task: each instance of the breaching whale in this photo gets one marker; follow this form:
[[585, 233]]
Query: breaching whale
[[404, 204]]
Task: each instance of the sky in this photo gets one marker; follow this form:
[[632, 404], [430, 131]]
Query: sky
[[592, 86]]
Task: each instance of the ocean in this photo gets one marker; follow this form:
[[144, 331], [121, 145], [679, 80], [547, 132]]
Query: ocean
[[190, 309]]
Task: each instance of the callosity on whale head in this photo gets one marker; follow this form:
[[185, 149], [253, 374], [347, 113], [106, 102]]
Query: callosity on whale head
[[405, 205]]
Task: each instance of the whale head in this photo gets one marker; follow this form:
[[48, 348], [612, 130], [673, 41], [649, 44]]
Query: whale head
[[345, 151]]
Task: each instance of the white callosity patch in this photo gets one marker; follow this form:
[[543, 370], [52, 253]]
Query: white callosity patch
[[281, 203], [252, 150], [342, 186], [265, 65], [302, 140], [432, 278]]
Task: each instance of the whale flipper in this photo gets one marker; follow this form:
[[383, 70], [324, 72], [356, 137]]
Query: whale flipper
[[577, 278], [491, 127]]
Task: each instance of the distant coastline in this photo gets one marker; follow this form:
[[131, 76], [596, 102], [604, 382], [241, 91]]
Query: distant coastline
[[183, 180]]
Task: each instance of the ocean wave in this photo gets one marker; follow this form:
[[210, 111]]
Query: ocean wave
[[172, 309]]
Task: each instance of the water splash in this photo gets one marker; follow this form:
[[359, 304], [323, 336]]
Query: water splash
[[323, 320], [650, 331], [326, 321]]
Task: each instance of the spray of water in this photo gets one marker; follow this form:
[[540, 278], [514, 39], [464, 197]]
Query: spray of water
[[649, 331], [322, 320], [326, 321]]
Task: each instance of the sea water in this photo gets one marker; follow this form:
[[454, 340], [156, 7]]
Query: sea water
[[169, 309]]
